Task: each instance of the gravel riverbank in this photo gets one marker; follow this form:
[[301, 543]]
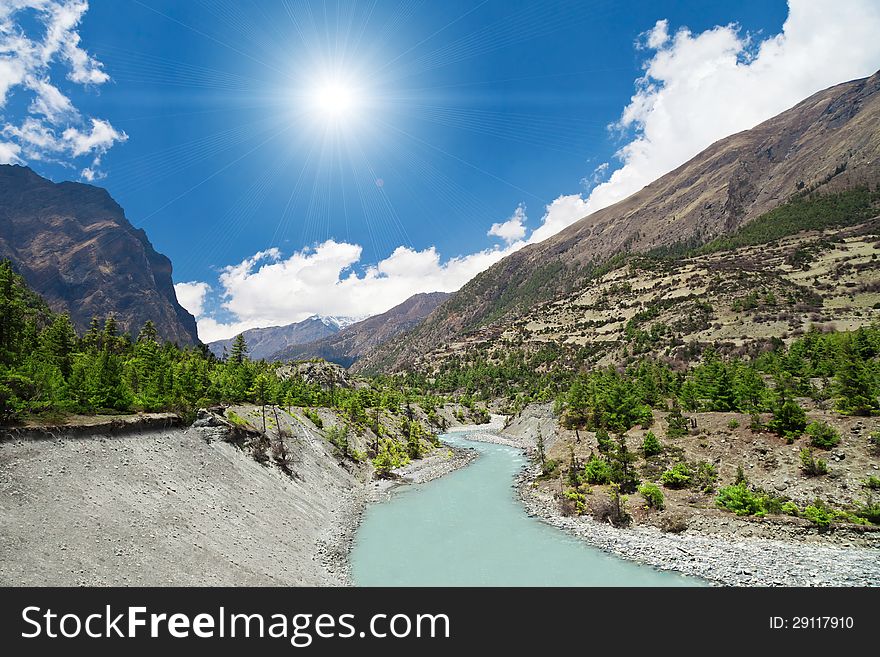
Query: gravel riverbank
[[720, 558]]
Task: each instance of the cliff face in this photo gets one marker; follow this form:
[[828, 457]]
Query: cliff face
[[74, 246], [830, 141]]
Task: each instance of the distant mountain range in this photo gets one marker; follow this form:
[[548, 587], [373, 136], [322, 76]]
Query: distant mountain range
[[357, 342], [827, 143], [263, 343], [342, 340], [75, 247]]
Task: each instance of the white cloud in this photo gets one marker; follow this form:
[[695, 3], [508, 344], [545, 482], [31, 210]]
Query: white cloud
[[513, 229], [562, 212], [9, 153], [97, 140], [53, 128], [192, 296], [268, 289], [657, 36], [699, 88]]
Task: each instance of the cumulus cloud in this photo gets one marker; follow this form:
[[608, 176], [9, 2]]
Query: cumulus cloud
[[562, 212], [269, 289], [192, 296], [700, 87], [52, 128], [696, 89], [513, 229]]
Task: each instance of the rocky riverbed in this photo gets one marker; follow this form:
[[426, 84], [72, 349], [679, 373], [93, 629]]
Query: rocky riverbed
[[724, 560]]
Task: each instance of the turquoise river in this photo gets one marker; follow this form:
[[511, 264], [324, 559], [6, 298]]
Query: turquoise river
[[469, 528]]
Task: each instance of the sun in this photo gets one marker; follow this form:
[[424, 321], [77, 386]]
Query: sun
[[335, 101]]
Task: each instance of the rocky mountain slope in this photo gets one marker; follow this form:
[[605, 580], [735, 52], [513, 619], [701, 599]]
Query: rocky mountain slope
[[263, 343], [826, 143], [358, 341], [732, 297], [75, 247]]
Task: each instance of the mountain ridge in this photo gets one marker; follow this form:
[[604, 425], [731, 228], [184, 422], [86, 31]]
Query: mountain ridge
[[355, 342], [265, 341], [75, 247], [827, 142]]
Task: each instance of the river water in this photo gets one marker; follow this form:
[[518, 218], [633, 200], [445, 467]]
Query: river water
[[469, 528]]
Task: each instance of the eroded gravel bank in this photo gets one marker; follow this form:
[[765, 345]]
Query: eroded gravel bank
[[723, 556]]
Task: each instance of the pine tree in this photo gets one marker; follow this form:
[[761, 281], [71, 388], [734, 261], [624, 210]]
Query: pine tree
[[854, 387], [260, 394], [92, 338], [239, 352], [110, 335], [12, 314], [59, 341], [623, 471], [749, 390], [148, 332], [676, 423], [542, 456], [789, 419]]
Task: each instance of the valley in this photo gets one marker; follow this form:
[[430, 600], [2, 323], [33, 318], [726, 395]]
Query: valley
[[688, 379]]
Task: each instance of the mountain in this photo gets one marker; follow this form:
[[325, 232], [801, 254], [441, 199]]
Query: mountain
[[264, 342], [827, 143], [75, 247], [340, 322], [358, 340]]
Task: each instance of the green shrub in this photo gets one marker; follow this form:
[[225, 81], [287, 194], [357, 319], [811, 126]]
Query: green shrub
[[733, 424], [604, 441], [679, 476], [823, 435], [337, 435], [705, 477], [391, 455], [577, 498], [676, 423], [811, 465], [597, 471], [651, 445], [550, 469], [741, 500], [235, 418], [790, 508], [653, 495], [874, 441], [314, 418], [870, 510], [789, 420], [819, 514], [872, 482]]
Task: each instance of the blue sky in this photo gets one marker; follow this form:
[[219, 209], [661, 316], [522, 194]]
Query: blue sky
[[465, 115]]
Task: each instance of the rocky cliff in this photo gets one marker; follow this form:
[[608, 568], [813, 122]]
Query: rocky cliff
[[75, 247]]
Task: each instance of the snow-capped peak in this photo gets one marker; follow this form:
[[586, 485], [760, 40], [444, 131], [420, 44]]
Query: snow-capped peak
[[338, 322]]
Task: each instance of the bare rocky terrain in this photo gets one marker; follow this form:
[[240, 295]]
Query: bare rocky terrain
[[121, 501], [828, 279], [175, 507]]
